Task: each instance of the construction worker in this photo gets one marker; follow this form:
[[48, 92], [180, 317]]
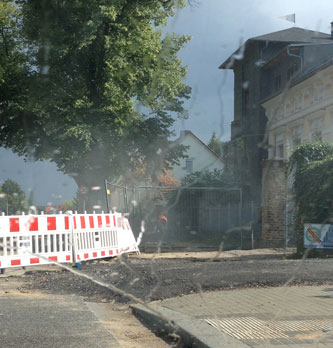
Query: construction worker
[[162, 223]]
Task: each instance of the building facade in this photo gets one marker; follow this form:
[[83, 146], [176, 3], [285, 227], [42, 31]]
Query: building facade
[[303, 113], [300, 114], [265, 67]]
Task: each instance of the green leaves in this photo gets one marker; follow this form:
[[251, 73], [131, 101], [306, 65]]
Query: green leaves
[[216, 145], [95, 85], [311, 165], [216, 178], [12, 198], [307, 153]]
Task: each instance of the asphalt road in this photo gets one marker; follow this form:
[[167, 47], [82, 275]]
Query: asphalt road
[[35, 319], [161, 278], [50, 321]]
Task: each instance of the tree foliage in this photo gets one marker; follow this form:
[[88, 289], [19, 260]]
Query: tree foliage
[[167, 179], [311, 165], [12, 198], [216, 145], [91, 85], [215, 178]]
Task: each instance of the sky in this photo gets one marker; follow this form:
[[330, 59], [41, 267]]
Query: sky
[[218, 28]]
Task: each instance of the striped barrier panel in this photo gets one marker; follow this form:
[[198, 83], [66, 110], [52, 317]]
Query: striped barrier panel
[[43, 239], [96, 236], [127, 241], [31, 240]]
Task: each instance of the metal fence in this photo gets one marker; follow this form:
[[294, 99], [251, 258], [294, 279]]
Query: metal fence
[[202, 214]]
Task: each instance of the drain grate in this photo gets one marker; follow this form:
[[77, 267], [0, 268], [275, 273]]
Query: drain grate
[[301, 325], [246, 328], [249, 328]]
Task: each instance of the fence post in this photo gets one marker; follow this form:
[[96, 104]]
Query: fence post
[[240, 215], [229, 217], [125, 200], [72, 237], [252, 216], [107, 196]]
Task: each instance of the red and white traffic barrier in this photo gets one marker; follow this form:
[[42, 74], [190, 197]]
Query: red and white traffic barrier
[[127, 241], [31, 240], [42, 239], [95, 236]]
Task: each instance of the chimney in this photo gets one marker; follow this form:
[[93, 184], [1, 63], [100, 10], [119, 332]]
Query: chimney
[[331, 30]]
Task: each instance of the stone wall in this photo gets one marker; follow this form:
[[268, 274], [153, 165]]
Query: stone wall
[[274, 192]]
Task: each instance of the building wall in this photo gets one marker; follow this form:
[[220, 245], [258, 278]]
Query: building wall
[[274, 195], [202, 158], [251, 83], [304, 113], [250, 119]]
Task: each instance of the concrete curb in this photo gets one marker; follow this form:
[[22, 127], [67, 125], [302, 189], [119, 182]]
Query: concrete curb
[[193, 332]]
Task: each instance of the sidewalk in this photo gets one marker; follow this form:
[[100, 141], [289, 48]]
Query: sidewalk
[[220, 255], [298, 316]]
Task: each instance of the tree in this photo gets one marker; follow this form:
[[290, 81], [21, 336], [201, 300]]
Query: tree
[[96, 89], [167, 179], [216, 145], [233, 154], [12, 199], [69, 205]]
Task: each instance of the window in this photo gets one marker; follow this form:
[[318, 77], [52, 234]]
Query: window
[[279, 146], [277, 83], [189, 166], [316, 129], [280, 151], [296, 136], [296, 141], [316, 136], [290, 73]]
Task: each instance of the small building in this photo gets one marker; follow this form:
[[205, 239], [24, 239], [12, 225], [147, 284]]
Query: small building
[[199, 157]]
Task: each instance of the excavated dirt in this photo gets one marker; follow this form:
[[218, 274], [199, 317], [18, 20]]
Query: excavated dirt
[[159, 278]]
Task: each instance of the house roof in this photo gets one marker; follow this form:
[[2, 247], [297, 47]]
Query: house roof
[[294, 35], [188, 132], [303, 76], [284, 52], [291, 35]]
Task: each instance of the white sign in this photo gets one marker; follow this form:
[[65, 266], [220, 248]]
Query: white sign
[[318, 236]]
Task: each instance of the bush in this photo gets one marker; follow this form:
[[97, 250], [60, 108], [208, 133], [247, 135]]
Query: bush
[[312, 168]]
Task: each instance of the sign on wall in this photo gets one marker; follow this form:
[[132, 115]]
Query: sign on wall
[[317, 236]]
